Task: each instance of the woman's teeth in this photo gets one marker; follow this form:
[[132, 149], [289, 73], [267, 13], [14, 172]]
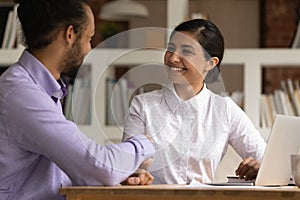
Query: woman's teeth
[[177, 69]]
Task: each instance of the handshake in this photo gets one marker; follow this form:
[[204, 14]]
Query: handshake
[[141, 176]]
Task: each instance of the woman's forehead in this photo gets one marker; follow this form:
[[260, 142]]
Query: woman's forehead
[[180, 38]]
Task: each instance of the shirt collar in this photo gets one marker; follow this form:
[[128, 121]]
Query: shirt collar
[[41, 76], [174, 101]]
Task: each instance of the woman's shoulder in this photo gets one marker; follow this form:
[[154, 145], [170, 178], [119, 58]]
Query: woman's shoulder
[[152, 96], [224, 101], [219, 97]]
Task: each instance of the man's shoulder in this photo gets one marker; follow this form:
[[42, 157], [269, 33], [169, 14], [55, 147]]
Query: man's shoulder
[[15, 79], [15, 74]]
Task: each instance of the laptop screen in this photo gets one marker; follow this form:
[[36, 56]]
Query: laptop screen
[[284, 140]]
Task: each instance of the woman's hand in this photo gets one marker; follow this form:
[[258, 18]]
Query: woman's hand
[[248, 169]]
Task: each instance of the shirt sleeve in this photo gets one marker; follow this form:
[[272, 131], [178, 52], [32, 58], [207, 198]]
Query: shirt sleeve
[[134, 123], [41, 128], [244, 137]]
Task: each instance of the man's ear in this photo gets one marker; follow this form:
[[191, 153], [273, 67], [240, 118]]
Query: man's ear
[[212, 63], [70, 34]]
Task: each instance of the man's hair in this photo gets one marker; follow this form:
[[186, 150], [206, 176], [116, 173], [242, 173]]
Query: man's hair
[[42, 19]]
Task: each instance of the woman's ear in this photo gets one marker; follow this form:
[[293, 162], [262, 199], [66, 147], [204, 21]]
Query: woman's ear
[[212, 63]]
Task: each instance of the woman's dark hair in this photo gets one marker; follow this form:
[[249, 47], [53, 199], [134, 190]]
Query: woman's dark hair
[[209, 37], [42, 19]]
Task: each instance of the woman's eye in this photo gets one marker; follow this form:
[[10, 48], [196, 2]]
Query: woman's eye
[[171, 49], [186, 52]]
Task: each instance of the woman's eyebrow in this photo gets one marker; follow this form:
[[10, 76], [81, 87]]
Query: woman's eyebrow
[[187, 46]]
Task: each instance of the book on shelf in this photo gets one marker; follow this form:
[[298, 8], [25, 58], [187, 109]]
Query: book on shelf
[[77, 103], [119, 90], [4, 12], [266, 111], [278, 102], [285, 101], [271, 105], [297, 94], [68, 103], [117, 100], [7, 30], [10, 31], [13, 30], [117, 105], [109, 83], [263, 112], [296, 39], [292, 97], [124, 90]]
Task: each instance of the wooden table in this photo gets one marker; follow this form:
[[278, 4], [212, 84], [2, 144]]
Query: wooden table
[[179, 192]]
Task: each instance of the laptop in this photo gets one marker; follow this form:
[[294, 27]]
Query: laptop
[[275, 169], [284, 140]]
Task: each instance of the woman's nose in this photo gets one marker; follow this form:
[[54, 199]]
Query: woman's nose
[[174, 57]]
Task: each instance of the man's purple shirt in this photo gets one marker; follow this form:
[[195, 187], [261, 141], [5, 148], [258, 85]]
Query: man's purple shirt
[[40, 150]]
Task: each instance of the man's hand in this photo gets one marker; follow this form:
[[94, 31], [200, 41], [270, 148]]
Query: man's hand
[[141, 177], [146, 164], [248, 169]]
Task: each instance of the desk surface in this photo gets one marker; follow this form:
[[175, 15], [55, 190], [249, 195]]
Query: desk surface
[[178, 192]]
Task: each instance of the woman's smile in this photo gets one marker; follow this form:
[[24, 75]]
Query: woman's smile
[[177, 69]]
